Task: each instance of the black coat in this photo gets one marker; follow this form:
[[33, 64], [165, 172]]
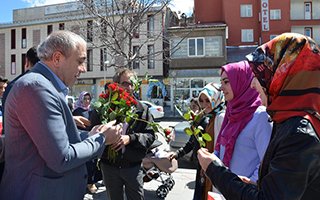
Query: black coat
[[290, 169]]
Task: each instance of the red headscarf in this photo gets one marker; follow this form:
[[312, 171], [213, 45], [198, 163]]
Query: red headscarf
[[240, 109], [289, 68]]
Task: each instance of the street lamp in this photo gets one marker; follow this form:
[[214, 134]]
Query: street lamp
[[106, 64]]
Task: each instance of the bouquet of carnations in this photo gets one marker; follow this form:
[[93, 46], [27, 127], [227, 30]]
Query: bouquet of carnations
[[115, 104]]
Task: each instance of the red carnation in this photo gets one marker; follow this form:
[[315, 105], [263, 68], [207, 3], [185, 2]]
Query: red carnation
[[167, 131], [103, 96]]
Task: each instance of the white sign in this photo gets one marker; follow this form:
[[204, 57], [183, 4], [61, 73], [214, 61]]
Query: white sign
[[265, 15], [61, 8]]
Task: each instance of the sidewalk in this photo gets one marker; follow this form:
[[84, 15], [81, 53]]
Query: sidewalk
[[183, 188]]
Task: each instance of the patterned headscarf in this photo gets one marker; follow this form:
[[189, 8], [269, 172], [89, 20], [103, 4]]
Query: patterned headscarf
[[289, 68], [215, 95], [240, 109], [79, 102]]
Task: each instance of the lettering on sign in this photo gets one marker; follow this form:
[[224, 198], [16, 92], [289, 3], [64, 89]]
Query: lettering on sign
[[265, 15]]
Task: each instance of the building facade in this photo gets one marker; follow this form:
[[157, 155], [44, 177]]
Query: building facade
[[30, 26], [197, 54], [251, 22]]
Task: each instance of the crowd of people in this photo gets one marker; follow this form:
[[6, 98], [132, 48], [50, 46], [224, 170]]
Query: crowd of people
[[263, 118]]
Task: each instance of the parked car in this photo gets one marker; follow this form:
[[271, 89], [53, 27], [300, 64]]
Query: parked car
[[155, 110], [71, 101]]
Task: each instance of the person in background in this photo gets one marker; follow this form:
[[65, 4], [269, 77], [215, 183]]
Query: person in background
[[287, 68], [82, 108], [42, 136], [211, 101], [3, 86], [245, 129], [125, 174], [194, 105]]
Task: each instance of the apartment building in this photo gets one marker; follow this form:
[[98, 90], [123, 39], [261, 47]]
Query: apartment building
[[32, 25], [251, 22], [197, 53]]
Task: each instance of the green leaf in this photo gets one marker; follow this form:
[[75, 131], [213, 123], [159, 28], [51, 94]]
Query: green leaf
[[115, 96], [112, 116], [197, 131], [206, 137], [197, 118], [97, 104], [188, 131], [202, 143], [186, 116]]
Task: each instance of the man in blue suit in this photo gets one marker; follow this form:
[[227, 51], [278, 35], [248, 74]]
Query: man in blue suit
[[44, 154]]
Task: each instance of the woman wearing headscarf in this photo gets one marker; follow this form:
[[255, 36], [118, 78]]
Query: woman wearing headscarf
[[288, 68], [82, 108], [211, 101], [245, 131]]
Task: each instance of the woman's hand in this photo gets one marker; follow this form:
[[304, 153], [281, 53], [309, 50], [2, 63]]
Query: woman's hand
[[205, 158], [81, 122], [172, 155]]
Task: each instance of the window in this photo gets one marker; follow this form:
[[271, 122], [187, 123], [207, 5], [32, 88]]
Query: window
[[104, 28], [61, 26], [275, 14], [13, 38], [49, 29], [307, 10], [247, 35], [150, 25], [246, 10], [13, 64], [136, 61], [89, 31], [23, 59], [24, 38], [196, 47], [89, 60], [151, 64], [273, 36], [308, 31], [103, 58]]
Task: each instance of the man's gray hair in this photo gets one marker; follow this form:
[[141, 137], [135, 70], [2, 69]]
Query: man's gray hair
[[63, 41]]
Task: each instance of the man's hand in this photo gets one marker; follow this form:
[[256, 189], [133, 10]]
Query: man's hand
[[205, 158], [81, 121], [111, 131], [122, 142]]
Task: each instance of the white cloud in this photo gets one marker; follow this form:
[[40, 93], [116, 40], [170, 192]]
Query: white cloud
[[44, 2], [183, 6]]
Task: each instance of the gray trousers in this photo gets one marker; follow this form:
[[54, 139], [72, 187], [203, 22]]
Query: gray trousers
[[117, 180]]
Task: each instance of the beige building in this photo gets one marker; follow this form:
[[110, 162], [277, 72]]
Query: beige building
[[198, 52], [30, 26]]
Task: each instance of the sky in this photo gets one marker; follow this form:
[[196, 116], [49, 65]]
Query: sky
[[184, 6]]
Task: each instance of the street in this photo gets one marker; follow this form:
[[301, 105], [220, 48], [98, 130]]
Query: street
[[184, 178]]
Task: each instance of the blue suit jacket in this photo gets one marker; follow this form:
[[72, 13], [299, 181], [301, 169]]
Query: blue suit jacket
[[44, 155]]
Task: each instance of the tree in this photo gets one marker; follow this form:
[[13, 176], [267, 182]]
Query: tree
[[128, 28]]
